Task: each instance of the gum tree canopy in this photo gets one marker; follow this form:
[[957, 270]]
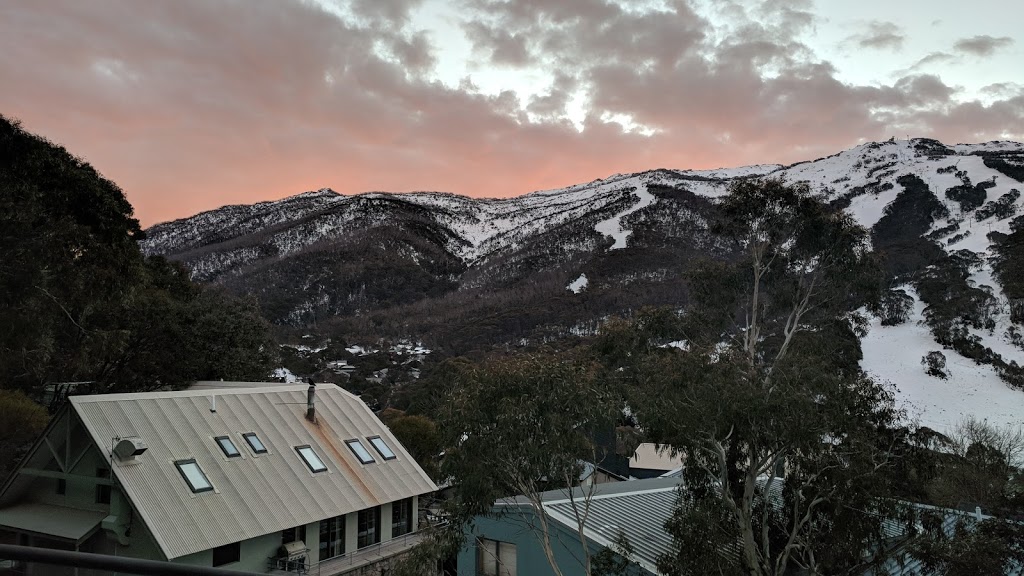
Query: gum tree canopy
[[79, 302], [786, 442]]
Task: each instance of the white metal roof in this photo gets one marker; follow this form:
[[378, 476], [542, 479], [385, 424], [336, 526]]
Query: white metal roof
[[254, 494]]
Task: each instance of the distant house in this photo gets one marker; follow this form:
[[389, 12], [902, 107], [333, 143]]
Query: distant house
[[653, 460], [240, 477], [508, 543]]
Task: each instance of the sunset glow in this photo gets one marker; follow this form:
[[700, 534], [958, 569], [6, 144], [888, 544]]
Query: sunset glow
[[192, 104]]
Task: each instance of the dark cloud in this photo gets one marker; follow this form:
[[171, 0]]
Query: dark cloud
[[196, 103], [982, 45]]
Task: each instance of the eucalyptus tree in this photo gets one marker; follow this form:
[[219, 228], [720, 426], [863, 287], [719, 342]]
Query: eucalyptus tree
[[786, 443], [520, 426]]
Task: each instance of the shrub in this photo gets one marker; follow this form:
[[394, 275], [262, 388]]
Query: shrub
[[935, 364], [894, 307]]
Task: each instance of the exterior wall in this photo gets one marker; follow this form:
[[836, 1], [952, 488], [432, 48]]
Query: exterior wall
[[253, 556], [530, 557], [351, 532], [385, 522]]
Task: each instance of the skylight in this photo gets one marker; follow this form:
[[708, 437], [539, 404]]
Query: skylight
[[311, 459], [382, 447], [227, 446], [193, 475], [360, 451], [254, 442]]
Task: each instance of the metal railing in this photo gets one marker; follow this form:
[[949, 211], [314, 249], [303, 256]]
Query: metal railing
[[365, 556]]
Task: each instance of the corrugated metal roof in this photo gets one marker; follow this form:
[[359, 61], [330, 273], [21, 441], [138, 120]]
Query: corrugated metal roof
[[639, 515], [253, 494]]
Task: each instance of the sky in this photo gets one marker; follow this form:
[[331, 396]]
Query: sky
[[189, 105]]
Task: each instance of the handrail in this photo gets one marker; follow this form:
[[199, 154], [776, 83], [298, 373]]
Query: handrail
[[356, 557]]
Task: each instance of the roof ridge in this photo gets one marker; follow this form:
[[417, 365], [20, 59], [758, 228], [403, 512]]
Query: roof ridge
[[264, 389]]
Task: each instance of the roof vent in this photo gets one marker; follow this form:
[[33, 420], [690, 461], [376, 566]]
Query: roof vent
[[126, 449]]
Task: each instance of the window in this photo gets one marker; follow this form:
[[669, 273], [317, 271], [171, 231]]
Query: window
[[369, 527], [193, 476], [227, 554], [382, 448], [360, 451], [297, 534], [311, 459], [62, 486], [254, 443], [401, 517], [332, 537], [227, 446], [495, 558], [103, 490]]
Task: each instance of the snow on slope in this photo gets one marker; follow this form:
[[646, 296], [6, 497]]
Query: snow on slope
[[578, 285], [893, 354], [612, 227], [481, 227]]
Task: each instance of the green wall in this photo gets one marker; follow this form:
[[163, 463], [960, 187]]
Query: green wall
[[530, 557]]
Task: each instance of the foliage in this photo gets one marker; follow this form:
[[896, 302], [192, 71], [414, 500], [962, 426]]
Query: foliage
[[614, 561], [521, 426], [770, 378], [898, 235], [895, 306], [21, 421], [969, 197], [1011, 170], [1009, 270], [935, 364], [1001, 208], [979, 467], [78, 302], [991, 547], [420, 437]]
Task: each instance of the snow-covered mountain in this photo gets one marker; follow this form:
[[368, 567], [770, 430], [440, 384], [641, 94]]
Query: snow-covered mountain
[[462, 273]]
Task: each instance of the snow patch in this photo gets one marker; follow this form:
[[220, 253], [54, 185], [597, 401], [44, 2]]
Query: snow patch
[[578, 285], [285, 374], [893, 353], [613, 226]]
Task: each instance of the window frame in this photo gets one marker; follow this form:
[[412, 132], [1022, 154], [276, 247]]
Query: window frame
[[234, 548], [361, 522], [358, 442], [387, 447], [188, 482], [220, 442], [326, 527], [500, 568], [298, 534], [247, 435], [314, 470], [401, 508]]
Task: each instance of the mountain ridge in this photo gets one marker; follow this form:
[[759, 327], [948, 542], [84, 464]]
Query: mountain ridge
[[464, 274]]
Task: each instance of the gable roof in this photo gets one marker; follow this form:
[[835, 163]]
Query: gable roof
[[253, 494]]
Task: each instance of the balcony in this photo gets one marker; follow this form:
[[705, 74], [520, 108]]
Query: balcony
[[365, 560]]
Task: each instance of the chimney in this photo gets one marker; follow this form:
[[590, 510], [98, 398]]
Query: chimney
[[213, 403], [311, 401]]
